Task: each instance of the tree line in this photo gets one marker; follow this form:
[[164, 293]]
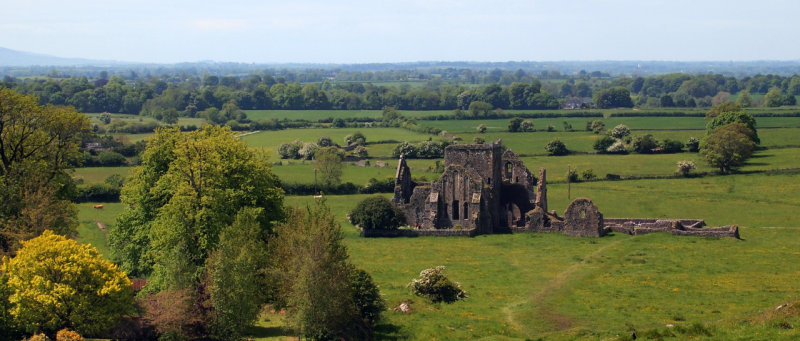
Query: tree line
[[220, 97]]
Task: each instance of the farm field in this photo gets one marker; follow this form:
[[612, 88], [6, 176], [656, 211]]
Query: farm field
[[525, 286], [549, 286]]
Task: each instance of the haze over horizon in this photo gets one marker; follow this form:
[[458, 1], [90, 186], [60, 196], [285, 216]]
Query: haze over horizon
[[315, 31]]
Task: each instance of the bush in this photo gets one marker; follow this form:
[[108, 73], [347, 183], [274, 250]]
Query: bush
[[601, 145], [596, 126], [97, 193], [68, 335], [617, 148], [515, 124], [377, 213], [481, 128], [572, 175], [588, 174], [672, 146], [693, 144], [556, 148], [433, 284], [367, 299], [620, 131], [684, 167], [644, 144]]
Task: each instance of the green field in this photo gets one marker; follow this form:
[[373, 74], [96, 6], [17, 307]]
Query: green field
[[549, 286]]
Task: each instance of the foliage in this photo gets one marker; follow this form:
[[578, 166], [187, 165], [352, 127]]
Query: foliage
[[728, 146], [357, 138], [572, 175], [329, 165], [620, 132], [644, 144], [434, 284], [515, 124], [671, 146], [479, 108], [377, 213], [481, 128], [588, 174], [685, 167], [173, 313], [309, 267], [188, 188], [603, 143], [367, 299], [729, 117], [722, 108], [68, 335], [325, 141], [693, 144], [596, 126], [556, 147], [237, 280], [422, 150], [618, 147], [75, 287], [614, 97], [527, 126], [38, 145]]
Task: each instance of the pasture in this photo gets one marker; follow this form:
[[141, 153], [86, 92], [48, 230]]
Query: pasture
[[549, 286]]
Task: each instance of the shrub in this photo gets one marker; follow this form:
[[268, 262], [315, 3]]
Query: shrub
[[644, 144], [601, 145], [68, 335], [684, 167], [693, 144], [672, 146], [325, 141], [617, 148], [481, 128], [556, 148], [572, 175], [515, 124], [367, 299], [588, 174], [597, 126], [478, 140], [377, 213], [620, 131], [433, 284], [527, 125], [551, 128]]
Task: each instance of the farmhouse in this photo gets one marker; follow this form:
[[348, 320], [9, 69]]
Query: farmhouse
[[487, 189]]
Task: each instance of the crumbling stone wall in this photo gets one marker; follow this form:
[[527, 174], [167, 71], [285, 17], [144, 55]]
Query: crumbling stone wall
[[403, 185], [582, 219]]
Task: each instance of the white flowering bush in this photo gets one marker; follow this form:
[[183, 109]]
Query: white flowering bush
[[684, 167], [433, 284]]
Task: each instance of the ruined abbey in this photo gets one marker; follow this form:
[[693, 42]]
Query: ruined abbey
[[486, 189]]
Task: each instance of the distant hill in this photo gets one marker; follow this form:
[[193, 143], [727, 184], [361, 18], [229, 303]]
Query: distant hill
[[9, 57]]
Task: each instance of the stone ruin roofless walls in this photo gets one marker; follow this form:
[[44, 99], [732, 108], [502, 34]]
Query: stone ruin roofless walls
[[485, 190]]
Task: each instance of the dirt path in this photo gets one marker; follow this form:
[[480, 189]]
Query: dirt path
[[546, 310]]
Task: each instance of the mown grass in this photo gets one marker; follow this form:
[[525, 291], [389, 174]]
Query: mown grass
[[88, 230]]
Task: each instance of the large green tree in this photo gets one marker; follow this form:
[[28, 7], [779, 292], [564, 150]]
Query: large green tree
[[728, 117], [187, 189], [728, 146], [614, 97], [38, 146]]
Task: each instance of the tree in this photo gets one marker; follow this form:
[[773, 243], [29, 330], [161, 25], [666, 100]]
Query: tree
[[556, 148], [329, 165], [729, 117], [620, 131], [38, 145], [377, 213], [685, 167], [744, 100], [74, 288], [774, 98], [514, 124], [236, 275], [187, 189], [614, 97], [644, 144], [527, 126], [597, 126], [309, 267], [722, 108], [478, 108], [727, 147], [602, 143]]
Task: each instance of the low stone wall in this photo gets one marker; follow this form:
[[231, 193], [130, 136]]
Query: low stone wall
[[715, 232], [419, 233]]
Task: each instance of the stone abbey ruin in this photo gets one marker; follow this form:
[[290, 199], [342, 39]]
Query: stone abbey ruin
[[486, 189]]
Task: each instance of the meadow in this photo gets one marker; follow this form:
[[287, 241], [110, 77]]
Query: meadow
[[549, 286]]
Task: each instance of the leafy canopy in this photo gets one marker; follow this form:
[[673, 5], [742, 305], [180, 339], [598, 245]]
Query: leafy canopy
[[56, 283]]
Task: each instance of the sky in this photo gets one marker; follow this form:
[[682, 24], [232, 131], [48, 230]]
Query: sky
[[376, 31]]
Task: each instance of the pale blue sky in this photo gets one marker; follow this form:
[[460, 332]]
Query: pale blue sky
[[402, 31]]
